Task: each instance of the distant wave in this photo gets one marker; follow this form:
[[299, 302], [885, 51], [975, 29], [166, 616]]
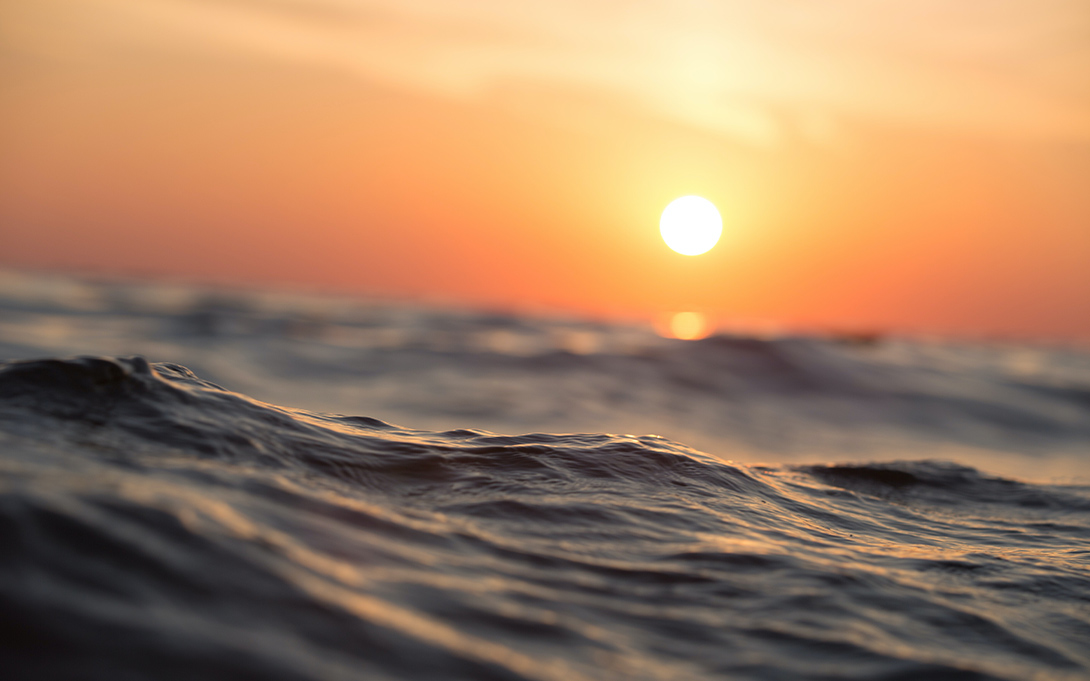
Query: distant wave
[[156, 526], [1016, 410]]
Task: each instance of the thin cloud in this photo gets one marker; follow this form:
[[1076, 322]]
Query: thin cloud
[[1005, 68]]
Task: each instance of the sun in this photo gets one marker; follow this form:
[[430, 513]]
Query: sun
[[691, 225]]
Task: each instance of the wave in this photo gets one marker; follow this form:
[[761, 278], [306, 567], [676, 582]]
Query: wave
[[155, 525], [1015, 409]]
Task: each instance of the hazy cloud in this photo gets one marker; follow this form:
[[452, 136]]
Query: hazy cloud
[[996, 67]]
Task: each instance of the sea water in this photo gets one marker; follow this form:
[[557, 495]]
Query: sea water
[[196, 484]]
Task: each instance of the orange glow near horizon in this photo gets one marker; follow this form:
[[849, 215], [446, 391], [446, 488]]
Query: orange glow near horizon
[[908, 166]]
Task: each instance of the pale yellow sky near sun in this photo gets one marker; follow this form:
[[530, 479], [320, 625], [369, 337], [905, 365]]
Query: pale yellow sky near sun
[[744, 69]]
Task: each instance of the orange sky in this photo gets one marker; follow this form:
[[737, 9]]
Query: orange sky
[[919, 166]]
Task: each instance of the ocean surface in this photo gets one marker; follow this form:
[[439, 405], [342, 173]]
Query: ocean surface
[[200, 484]]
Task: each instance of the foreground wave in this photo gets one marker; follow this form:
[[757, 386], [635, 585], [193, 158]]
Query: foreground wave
[[156, 526]]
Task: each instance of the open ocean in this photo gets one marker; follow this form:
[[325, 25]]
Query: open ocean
[[244, 485]]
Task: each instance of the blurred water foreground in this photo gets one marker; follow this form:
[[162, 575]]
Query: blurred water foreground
[[1017, 410]]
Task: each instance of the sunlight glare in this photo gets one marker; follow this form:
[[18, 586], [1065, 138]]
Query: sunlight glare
[[689, 326], [691, 225]]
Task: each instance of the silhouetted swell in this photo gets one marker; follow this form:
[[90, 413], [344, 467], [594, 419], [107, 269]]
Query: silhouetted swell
[[156, 526]]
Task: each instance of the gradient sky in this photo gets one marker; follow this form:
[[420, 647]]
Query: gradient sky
[[915, 165]]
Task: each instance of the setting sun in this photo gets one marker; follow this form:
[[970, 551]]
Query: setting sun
[[691, 225]]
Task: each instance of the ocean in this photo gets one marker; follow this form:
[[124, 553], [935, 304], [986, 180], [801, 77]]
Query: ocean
[[210, 484]]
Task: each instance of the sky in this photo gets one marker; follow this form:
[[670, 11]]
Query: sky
[[914, 166]]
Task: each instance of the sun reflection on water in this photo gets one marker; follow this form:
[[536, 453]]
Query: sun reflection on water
[[687, 326]]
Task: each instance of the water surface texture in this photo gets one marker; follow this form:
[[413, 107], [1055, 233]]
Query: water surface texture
[[1013, 409], [154, 525]]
